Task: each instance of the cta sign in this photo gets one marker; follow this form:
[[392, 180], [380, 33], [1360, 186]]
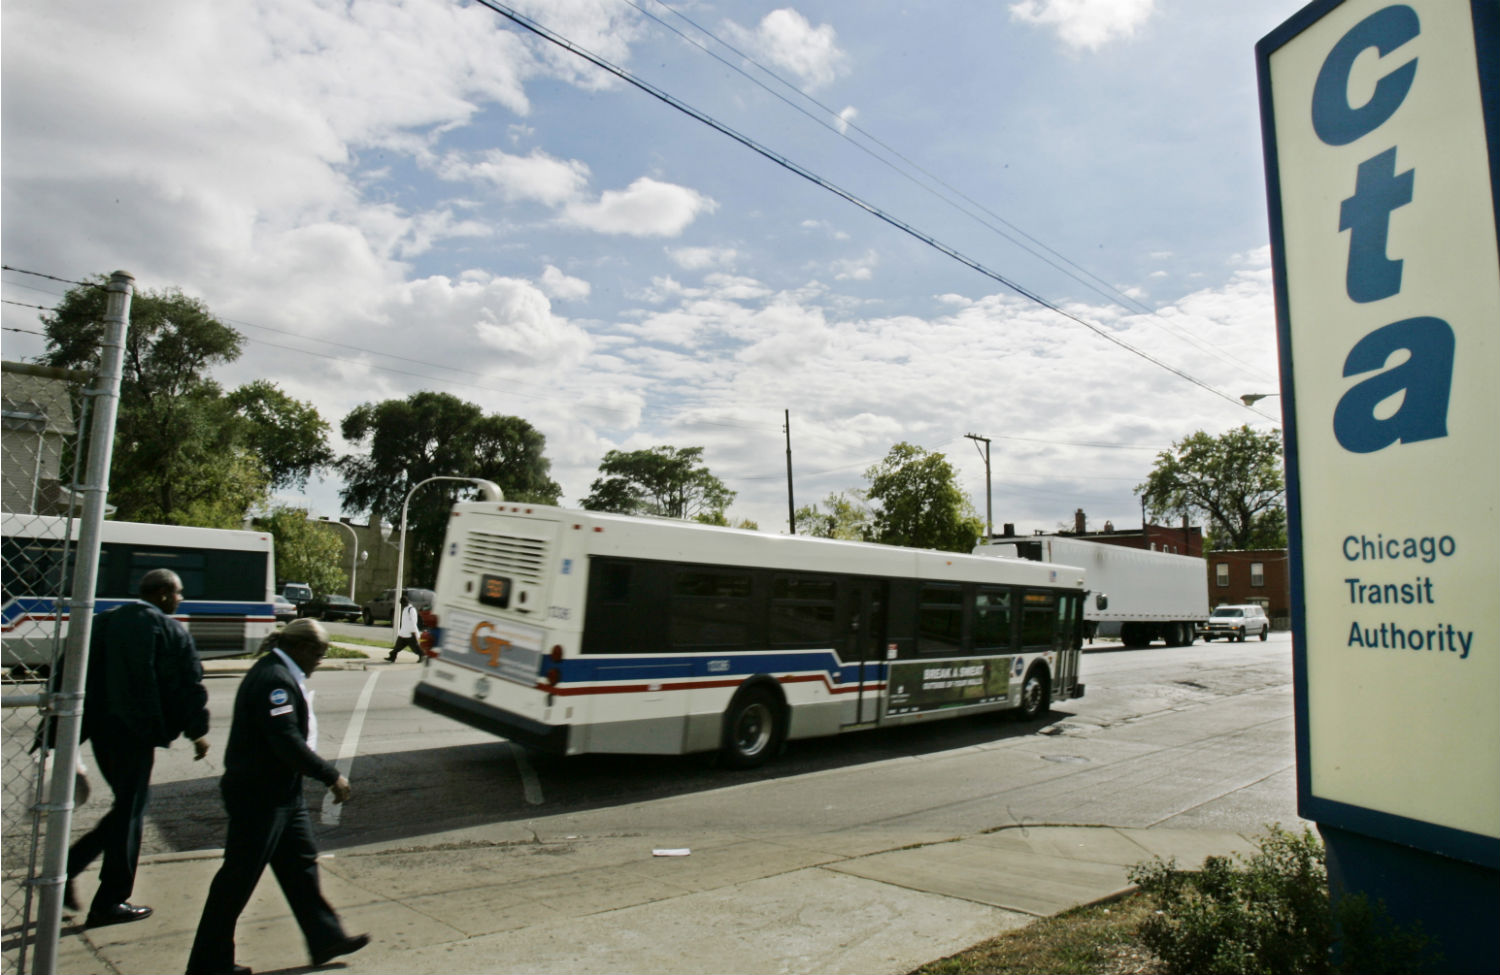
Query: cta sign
[[1382, 151]]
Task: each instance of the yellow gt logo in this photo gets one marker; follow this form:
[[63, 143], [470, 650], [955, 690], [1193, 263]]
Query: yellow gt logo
[[487, 646]]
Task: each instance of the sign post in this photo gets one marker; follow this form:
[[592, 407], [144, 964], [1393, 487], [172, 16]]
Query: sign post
[[1381, 124]]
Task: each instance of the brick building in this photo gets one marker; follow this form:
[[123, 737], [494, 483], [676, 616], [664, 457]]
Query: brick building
[[1252, 576], [1178, 540]]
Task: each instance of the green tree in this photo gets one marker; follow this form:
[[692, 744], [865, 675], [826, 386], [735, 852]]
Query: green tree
[[841, 515], [916, 502], [184, 452], [306, 551], [289, 436], [430, 435], [670, 482], [1234, 482]]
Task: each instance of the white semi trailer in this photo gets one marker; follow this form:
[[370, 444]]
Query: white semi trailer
[[1140, 595]]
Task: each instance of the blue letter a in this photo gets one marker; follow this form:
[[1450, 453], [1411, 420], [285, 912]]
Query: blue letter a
[[1425, 379]]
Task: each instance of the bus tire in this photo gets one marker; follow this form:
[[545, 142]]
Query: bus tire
[[754, 725], [1036, 694]]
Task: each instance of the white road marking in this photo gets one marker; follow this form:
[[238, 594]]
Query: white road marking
[[531, 786], [331, 810]]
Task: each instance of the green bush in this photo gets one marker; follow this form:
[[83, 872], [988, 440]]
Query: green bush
[[1267, 913]]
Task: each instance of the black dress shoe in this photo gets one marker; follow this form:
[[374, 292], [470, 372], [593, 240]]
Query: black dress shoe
[[117, 914], [347, 946]]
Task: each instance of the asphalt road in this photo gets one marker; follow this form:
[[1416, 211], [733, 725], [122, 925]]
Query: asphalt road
[[1218, 752]]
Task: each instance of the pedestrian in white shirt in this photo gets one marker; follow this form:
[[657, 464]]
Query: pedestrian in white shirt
[[407, 630]]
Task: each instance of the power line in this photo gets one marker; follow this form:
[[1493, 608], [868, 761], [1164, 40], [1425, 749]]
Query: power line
[[1094, 283], [671, 100]]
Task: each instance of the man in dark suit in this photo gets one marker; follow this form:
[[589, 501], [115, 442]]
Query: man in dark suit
[[144, 688], [272, 744]]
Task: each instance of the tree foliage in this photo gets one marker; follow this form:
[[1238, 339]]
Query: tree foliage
[[437, 435], [841, 515], [184, 452], [289, 436], [1233, 482], [916, 502], [670, 482], [307, 551]]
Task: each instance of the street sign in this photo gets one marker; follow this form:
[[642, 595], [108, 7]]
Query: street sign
[[1382, 139]]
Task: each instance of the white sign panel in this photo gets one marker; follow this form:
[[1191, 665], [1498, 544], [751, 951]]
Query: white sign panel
[[1388, 300]]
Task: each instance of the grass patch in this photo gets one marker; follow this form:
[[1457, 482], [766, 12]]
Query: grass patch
[[364, 641], [1101, 939], [343, 653]]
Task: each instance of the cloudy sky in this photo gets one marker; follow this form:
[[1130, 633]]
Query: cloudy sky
[[394, 195]]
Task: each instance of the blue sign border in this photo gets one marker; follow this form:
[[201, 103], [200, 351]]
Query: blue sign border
[[1454, 843]]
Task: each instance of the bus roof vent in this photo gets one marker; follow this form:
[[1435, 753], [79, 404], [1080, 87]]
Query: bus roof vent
[[522, 559]]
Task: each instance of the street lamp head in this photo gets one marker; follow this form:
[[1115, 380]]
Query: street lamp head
[[489, 489], [1250, 399]]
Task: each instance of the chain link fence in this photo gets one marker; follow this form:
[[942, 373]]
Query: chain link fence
[[45, 419], [57, 439]]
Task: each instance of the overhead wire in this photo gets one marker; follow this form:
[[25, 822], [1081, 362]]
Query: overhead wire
[[1079, 273], [671, 100]]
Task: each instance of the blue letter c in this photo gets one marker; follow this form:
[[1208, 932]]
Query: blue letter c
[[1336, 121]]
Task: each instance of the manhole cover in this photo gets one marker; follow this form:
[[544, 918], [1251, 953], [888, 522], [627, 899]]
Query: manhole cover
[[1065, 759]]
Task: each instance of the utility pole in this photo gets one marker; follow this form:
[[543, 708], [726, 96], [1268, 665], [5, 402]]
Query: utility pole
[[791, 508], [989, 517]]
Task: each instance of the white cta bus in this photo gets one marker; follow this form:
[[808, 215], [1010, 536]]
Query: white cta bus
[[576, 631], [228, 578]]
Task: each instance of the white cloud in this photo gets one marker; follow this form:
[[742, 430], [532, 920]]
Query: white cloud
[[1089, 24], [845, 118], [702, 258], [508, 315], [558, 285], [646, 208], [786, 39], [537, 177]]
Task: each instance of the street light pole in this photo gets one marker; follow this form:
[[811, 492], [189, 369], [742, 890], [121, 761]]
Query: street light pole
[[491, 492], [353, 551], [989, 517]]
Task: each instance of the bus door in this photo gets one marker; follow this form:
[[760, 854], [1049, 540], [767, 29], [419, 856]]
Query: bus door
[[1068, 642], [865, 644]]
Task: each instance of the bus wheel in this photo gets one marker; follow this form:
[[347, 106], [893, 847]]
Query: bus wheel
[[752, 728], [1035, 695]]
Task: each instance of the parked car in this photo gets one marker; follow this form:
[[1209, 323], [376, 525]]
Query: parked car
[[284, 608], [383, 606], [297, 593], [329, 606], [1236, 623]]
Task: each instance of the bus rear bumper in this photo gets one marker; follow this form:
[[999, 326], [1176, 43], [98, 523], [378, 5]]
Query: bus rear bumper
[[523, 731]]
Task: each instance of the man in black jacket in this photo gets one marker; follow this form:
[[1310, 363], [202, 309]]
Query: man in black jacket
[[271, 747], [144, 688]]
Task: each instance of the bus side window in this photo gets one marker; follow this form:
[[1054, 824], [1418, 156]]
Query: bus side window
[[1038, 620], [802, 610], [992, 619], [940, 620], [711, 608]]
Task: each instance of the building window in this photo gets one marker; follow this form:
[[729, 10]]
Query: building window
[[1257, 573], [1221, 573]]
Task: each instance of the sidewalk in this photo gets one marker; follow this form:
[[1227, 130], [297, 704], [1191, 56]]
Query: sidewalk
[[503, 898]]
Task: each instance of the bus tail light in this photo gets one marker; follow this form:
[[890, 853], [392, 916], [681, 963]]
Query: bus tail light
[[554, 673]]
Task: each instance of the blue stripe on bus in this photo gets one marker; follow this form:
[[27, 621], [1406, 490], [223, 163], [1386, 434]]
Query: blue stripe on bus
[[19, 609], [619, 668]]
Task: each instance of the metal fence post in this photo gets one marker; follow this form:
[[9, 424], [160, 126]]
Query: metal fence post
[[68, 701]]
